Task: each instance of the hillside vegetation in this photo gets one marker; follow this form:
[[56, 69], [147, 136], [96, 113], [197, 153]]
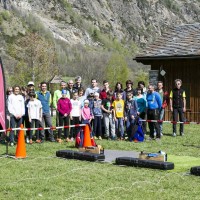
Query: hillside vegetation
[[43, 38]]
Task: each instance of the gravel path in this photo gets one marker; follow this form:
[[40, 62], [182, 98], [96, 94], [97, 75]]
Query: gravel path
[[111, 155]]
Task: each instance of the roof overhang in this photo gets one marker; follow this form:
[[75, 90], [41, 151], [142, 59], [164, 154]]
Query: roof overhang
[[153, 58]]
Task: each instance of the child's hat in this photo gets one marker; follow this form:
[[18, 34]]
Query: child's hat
[[86, 101], [64, 91]]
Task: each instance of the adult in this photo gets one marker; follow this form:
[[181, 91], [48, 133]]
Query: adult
[[57, 95], [165, 100], [45, 97], [77, 83], [142, 104], [103, 93], [9, 91], [30, 87], [119, 89], [70, 88], [141, 84], [178, 105], [92, 89], [16, 109], [153, 111], [129, 88]]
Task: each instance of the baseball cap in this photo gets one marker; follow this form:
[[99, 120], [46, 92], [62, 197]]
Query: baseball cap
[[64, 92], [31, 83]]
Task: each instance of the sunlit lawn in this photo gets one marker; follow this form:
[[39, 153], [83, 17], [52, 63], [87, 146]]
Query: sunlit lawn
[[43, 176]]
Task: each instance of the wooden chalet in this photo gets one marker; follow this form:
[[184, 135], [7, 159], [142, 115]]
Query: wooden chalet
[[177, 55]]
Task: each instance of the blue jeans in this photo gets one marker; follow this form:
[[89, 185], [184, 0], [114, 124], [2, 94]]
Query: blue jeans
[[14, 123], [97, 126], [129, 126], [119, 124], [162, 112]]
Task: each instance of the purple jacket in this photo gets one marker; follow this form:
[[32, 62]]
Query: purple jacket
[[64, 106]]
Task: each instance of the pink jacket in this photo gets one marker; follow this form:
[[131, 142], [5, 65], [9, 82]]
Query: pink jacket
[[64, 106], [86, 113]]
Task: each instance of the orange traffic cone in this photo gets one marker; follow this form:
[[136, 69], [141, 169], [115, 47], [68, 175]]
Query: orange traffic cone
[[87, 139], [21, 147]]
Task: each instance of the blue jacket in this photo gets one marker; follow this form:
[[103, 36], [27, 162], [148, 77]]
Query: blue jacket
[[131, 108], [153, 100]]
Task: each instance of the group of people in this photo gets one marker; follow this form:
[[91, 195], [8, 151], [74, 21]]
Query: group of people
[[111, 114]]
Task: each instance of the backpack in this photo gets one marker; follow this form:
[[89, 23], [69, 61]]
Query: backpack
[[138, 133]]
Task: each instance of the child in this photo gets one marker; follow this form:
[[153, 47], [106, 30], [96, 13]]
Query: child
[[35, 116], [75, 114], [86, 113], [130, 113], [118, 106], [64, 108], [97, 113], [108, 115]]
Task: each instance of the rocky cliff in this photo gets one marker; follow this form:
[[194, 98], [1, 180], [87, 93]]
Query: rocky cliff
[[124, 26]]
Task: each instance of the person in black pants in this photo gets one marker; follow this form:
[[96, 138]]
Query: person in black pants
[[178, 105], [154, 104]]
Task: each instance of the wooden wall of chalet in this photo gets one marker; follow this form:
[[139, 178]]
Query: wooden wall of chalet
[[188, 70]]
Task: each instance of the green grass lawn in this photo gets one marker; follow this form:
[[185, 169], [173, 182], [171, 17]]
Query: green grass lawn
[[43, 176]]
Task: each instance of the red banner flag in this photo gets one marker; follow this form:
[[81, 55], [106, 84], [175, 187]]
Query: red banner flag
[[2, 98]]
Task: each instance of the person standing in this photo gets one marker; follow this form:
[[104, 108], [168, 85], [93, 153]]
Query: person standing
[[56, 96], [97, 113], [118, 107], [119, 89], [165, 100], [16, 109], [77, 85], [64, 108], [45, 97], [131, 109], [178, 105], [153, 111], [105, 90], [142, 105], [129, 88], [71, 89], [109, 122], [75, 115], [92, 89], [34, 115]]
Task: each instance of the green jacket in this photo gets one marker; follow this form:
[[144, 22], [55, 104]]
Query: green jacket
[[57, 95]]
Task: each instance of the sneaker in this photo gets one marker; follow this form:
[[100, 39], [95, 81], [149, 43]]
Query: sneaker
[[181, 134], [59, 140], [161, 134], [72, 139], [150, 138], [27, 140], [30, 141], [38, 141], [52, 139], [100, 138], [174, 134], [95, 138], [12, 144], [68, 140]]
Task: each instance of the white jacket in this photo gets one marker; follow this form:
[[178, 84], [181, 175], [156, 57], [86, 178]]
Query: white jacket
[[16, 105]]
